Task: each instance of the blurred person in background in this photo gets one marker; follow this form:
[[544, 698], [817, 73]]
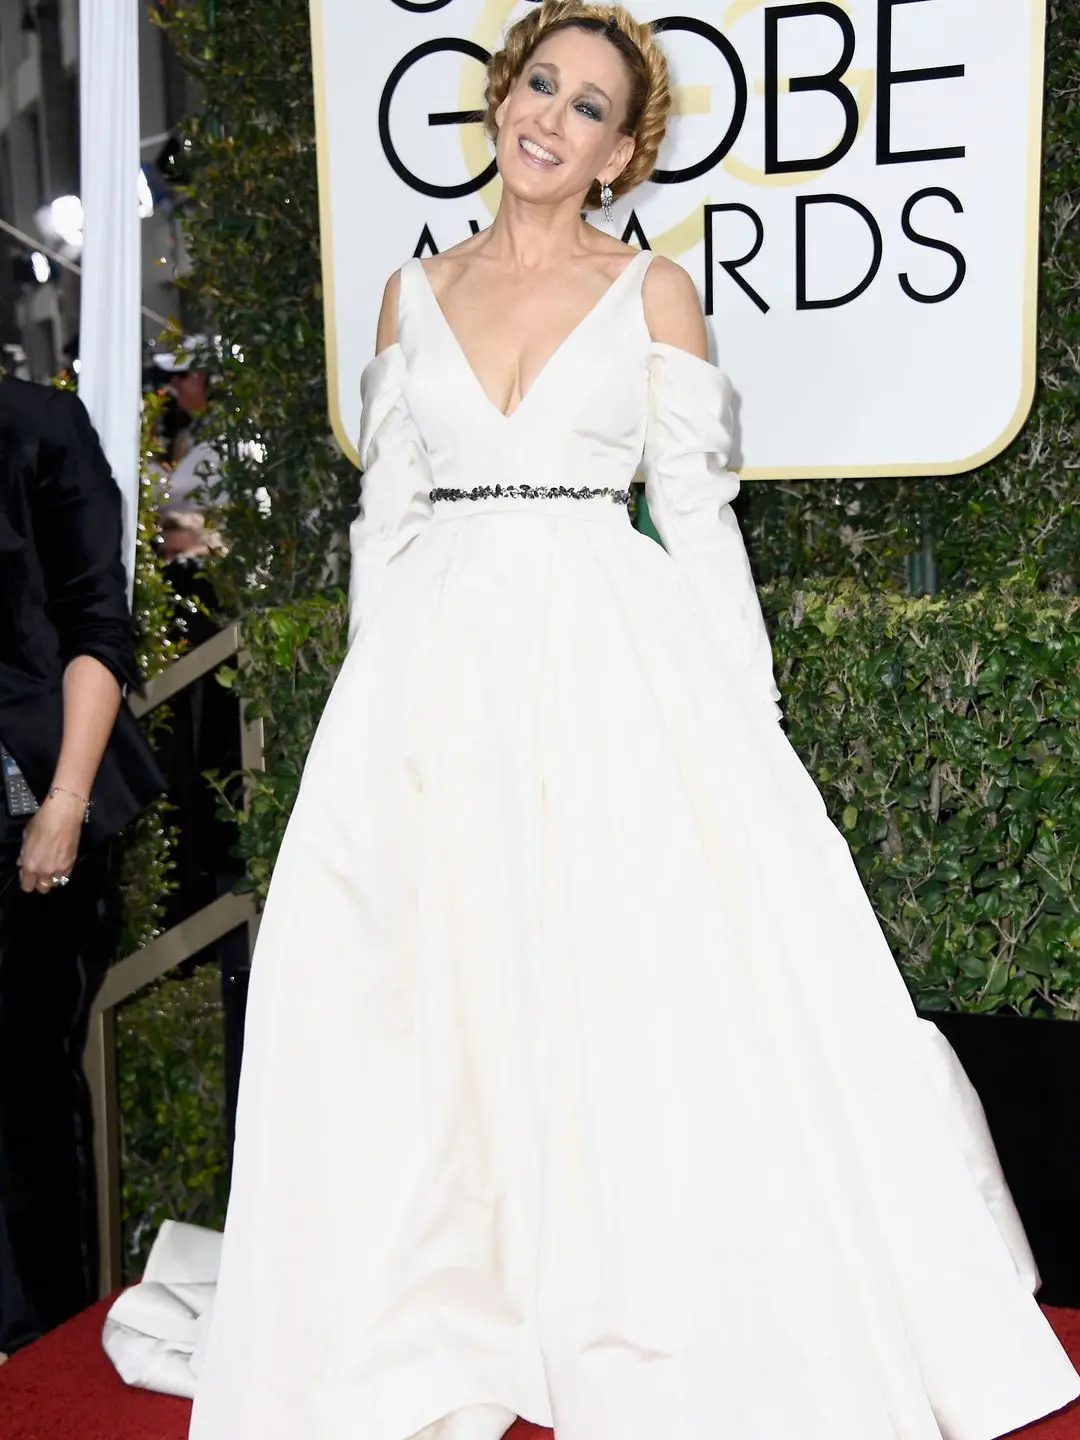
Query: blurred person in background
[[76, 770], [204, 726], [180, 372]]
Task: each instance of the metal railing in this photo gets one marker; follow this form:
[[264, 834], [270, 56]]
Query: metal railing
[[134, 973]]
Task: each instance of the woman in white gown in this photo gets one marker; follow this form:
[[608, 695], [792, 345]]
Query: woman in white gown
[[580, 1083]]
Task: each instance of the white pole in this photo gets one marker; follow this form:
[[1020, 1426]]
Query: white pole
[[110, 334]]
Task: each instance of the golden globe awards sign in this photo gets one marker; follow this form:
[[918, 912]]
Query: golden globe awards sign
[[852, 184]]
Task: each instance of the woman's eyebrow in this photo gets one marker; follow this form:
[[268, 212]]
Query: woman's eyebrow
[[588, 85]]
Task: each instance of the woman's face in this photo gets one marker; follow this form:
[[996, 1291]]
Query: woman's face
[[560, 125]]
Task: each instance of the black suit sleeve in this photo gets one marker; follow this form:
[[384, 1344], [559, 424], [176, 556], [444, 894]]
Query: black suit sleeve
[[78, 528]]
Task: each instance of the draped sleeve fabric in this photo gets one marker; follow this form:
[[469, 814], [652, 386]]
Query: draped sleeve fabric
[[395, 493], [689, 491], [78, 529]]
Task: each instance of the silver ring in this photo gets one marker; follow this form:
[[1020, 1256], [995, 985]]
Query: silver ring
[[60, 879]]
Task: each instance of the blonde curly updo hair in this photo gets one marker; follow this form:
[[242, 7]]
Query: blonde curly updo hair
[[650, 94]]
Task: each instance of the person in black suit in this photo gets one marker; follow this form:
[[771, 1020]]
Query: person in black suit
[[76, 770]]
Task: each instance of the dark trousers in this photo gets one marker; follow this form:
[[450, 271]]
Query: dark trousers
[[54, 951]]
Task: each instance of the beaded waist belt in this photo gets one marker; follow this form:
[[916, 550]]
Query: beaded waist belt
[[532, 492]]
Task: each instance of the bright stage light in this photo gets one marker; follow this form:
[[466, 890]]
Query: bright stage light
[[62, 221], [67, 215]]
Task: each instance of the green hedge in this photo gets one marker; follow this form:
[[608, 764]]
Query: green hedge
[[293, 655], [171, 1078], [944, 737], [251, 228]]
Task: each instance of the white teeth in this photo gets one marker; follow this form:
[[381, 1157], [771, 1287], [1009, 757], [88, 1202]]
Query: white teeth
[[539, 153]]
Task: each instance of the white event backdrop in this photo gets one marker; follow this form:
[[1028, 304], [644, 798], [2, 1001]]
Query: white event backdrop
[[853, 186]]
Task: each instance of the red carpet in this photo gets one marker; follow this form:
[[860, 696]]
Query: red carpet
[[63, 1388]]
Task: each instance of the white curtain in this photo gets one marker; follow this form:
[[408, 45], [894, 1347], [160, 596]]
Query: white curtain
[[110, 334]]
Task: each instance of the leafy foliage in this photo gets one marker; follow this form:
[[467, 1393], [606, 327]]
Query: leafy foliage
[[170, 1144], [251, 224], [145, 865], [943, 735], [293, 656], [170, 1069]]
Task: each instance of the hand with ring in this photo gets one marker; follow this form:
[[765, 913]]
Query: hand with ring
[[45, 885], [50, 844]]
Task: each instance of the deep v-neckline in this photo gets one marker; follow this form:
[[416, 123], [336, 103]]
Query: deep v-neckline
[[466, 363]]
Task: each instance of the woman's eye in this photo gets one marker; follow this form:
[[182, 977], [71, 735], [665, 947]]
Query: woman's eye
[[543, 86]]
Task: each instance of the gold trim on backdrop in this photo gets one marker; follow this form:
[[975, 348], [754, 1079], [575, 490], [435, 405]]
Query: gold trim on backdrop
[[326, 234], [685, 234]]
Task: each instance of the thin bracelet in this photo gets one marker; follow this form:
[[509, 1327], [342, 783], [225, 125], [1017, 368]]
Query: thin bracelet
[[87, 804]]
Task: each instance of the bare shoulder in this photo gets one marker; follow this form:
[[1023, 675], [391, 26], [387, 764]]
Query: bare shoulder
[[672, 308]]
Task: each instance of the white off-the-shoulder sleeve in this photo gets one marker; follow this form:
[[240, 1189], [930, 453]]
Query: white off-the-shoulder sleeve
[[395, 493], [689, 490]]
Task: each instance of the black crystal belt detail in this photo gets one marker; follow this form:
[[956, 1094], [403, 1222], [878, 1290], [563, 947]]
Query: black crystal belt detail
[[532, 492]]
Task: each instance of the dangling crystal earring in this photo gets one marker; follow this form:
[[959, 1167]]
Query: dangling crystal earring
[[605, 201]]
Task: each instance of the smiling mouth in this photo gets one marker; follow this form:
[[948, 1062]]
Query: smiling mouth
[[538, 155]]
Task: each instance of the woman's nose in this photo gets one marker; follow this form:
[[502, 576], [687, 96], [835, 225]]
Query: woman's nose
[[550, 116]]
